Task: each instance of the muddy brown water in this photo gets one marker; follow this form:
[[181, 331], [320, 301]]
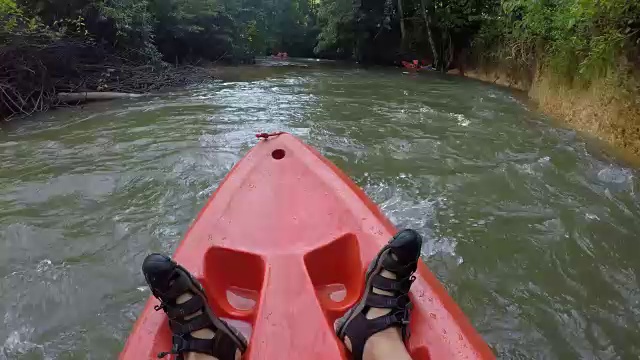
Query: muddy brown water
[[532, 229]]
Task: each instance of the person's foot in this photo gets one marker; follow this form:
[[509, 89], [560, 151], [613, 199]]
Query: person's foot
[[383, 311], [195, 328]]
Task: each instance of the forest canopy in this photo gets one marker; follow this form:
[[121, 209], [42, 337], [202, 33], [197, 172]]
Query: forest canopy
[[578, 40], [580, 37]]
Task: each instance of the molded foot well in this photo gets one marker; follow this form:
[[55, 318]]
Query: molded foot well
[[420, 353], [234, 281], [337, 275]]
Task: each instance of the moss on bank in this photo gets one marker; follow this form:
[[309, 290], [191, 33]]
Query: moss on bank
[[603, 110], [607, 109]]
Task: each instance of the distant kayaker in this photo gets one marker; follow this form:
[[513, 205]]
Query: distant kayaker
[[375, 328]]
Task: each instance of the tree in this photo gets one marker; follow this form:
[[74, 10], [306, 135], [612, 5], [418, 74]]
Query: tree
[[427, 25], [403, 31], [337, 36]]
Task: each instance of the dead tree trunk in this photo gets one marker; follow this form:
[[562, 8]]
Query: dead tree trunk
[[427, 24], [403, 41]]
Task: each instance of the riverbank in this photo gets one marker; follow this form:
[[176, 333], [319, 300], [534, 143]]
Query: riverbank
[[35, 77], [603, 110]]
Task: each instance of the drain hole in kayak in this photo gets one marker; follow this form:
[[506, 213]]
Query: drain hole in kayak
[[335, 292], [278, 154], [241, 299]]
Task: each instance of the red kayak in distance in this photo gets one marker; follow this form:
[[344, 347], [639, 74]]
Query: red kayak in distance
[[281, 249], [415, 65], [410, 65]]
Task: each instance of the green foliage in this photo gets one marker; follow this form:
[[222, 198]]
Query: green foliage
[[579, 40], [372, 29], [16, 24], [336, 19], [8, 8], [190, 29], [129, 25], [73, 27], [460, 15], [173, 30], [11, 16], [268, 27]]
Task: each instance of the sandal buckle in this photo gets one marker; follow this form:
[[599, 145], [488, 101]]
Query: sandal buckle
[[179, 346], [402, 315], [405, 284], [162, 306], [406, 313]]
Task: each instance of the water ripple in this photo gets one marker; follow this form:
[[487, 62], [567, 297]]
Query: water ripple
[[530, 227]]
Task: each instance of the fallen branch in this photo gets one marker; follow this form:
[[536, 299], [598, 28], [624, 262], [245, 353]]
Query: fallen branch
[[64, 97]]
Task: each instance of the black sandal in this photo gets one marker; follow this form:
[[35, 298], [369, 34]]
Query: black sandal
[[406, 246], [168, 281]]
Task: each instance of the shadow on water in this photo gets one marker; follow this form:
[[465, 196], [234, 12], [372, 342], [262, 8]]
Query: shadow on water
[[533, 232]]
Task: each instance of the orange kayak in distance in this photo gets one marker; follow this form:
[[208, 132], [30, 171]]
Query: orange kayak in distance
[[281, 248]]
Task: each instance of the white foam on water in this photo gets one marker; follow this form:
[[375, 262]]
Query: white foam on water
[[17, 343], [43, 266], [9, 144], [407, 210], [535, 167], [462, 121], [590, 216], [617, 180], [427, 110], [614, 175]]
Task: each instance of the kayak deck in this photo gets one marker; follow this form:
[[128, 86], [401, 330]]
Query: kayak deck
[[281, 249]]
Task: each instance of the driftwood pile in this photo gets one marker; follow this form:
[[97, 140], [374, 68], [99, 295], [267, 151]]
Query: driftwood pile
[[38, 73]]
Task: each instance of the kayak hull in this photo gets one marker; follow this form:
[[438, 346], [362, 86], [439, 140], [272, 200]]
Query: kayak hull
[[281, 249]]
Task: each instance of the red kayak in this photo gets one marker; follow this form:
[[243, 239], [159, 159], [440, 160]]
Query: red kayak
[[281, 249]]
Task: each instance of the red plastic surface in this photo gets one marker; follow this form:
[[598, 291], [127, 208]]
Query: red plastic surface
[[282, 247]]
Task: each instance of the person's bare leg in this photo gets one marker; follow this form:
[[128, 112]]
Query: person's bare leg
[[200, 334], [387, 344]]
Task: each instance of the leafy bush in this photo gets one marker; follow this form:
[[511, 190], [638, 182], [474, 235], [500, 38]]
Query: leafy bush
[[336, 19], [578, 40]]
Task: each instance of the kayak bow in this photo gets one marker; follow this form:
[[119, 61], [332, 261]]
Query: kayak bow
[[281, 248]]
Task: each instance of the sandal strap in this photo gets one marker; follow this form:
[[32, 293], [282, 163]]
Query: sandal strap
[[204, 346], [387, 302], [401, 271], [224, 348], [179, 286], [189, 307], [361, 329], [201, 321], [398, 285], [221, 346]]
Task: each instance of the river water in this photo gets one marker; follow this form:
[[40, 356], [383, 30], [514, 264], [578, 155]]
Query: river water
[[532, 229]]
